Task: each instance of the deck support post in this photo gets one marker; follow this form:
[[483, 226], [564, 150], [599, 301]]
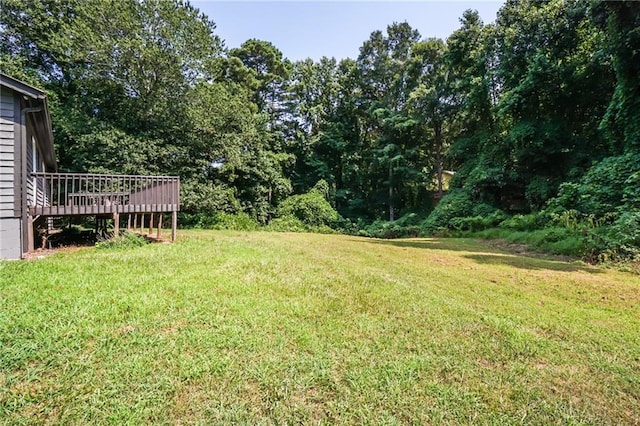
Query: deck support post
[[128, 222], [116, 224], [174, 224], [135, 222], [150, 224], [30, 232], [159, 226]]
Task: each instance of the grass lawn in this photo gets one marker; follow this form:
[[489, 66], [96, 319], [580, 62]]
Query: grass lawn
[[268, 328]]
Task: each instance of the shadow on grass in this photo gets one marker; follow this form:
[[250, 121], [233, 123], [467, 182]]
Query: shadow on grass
[[484, 253], [524, 261], [449, 244]]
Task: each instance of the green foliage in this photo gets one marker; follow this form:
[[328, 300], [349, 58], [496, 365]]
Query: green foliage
[[608, 186], [618, 241], [622, 119], [528, 222], [456, 204], [207, 198], [477, 222], [539, 110], [322, 188], [407, 226], [312, 208], [220, 220], [287, 223], [235, 222], [124, 241]]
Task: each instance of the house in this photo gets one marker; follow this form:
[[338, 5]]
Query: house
[[26, 146], [32, 190]]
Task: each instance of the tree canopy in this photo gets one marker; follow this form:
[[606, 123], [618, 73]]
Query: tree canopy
[[520, 109]]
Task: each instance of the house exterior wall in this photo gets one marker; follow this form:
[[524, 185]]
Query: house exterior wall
[[8, 155], [10, 238], [10, 229], [37, 192]]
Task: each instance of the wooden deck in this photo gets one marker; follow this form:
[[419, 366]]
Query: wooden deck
[[71, 194], [143, 198]]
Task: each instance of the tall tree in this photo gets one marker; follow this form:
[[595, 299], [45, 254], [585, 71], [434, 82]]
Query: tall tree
[[385, 86], [621, 20], [433, 101]]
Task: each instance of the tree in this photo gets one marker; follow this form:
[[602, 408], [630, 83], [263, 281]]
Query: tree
[[432, 101], [621, 20], [385, 86]]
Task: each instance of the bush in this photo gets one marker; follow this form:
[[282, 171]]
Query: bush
[[484, 209], [230, 221], [235, 222], [312, 208], [126, 240], [349, 227], [608, 186], [456, 204], [619, 241], [286, 224], [479, 222], [395, 229], [528, 222], [206, 199]]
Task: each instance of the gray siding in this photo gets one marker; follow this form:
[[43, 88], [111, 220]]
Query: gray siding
[[7, 154], [31, 199], [35, 163], [10, 235]]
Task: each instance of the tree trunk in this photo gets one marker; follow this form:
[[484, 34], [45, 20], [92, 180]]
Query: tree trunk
[[391, 212], [439, 159]]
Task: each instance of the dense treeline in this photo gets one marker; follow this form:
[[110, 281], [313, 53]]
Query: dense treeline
[[538, 114]]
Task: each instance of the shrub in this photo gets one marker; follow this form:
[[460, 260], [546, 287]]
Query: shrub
[[479, 222], [286, 224], [395, 229], [126, 240], [608, 186], [220, 220], [311, 209], [528, 222], [349, 227], [200, 199], [619, 241], [456, 204], [484, 209], [235, 222]]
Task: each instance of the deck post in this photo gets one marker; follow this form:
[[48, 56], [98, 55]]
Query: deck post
[[174, 224], [128, 222], [159, 226], [135, 222], [116, 224], [30, 232], [150, 224]]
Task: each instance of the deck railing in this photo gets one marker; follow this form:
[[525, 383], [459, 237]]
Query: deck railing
[[61, 194]]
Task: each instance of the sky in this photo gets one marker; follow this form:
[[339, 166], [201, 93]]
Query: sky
[[312, 29]]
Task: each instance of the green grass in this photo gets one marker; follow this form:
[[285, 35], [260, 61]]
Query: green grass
[[268, 328]]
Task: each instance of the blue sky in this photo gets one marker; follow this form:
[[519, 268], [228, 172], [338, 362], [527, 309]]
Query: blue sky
[[302, 29]]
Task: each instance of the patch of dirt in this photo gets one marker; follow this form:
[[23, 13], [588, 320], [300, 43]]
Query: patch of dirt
[[70, 240], [42, 253]]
